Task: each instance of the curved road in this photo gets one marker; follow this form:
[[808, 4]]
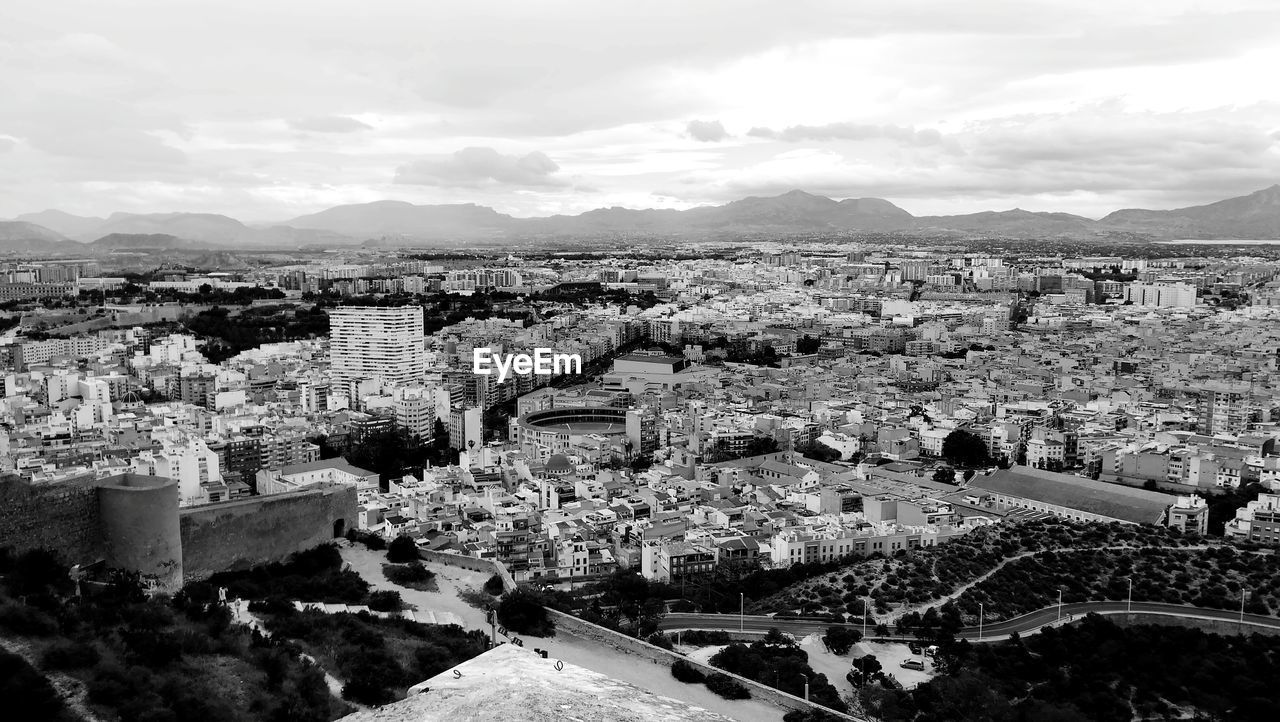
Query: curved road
[[1026, 623]]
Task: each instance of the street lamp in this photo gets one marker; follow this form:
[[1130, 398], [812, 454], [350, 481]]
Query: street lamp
[[866, 611], [1059, 604], [806, 686], [1129, 604], [982, 612], [742, 606], [1242, 593]]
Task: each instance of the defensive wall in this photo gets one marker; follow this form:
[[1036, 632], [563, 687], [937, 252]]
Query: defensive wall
[[242, 533], [133, 522]]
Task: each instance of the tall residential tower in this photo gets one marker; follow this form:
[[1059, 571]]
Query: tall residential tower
[[375, 343]]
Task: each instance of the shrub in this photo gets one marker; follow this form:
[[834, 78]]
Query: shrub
[[412, 575], [522, 611], [726, 686], [385, 601], [25, 621], [685, 672], [69, 655], [494, 585], [26, 693], [658, 639], [401, 550], [372, 542], [704, 638]]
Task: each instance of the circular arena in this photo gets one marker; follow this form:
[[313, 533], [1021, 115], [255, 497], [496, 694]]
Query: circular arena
[[549, 431], [582, 420]]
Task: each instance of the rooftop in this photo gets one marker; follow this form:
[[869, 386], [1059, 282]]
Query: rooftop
[[339, 463], [1076, 492]]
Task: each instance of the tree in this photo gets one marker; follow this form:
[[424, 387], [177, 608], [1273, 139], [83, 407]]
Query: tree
[[945, 475], [402, 550], [760, 445], [687, 673], [841, 639], [868, 665], [521, 611], [808, 345], [965, 449], [821, 452]]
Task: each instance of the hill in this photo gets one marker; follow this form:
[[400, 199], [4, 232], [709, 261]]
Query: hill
[[1016, 222], [1256, 215], [400, 218], [198, 227], [71, 226], [23, 238], [140, 242]]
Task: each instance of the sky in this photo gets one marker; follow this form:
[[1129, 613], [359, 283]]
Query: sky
[[270, 109]]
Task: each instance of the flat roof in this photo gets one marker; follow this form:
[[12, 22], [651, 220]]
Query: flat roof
[[1076, 492], [338, 463]]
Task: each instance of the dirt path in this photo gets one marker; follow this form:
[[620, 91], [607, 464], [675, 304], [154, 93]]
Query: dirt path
[[241, 615], [73, 692], [439, 606]]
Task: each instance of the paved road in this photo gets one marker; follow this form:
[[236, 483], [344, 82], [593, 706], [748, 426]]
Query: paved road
[[1023, 624]]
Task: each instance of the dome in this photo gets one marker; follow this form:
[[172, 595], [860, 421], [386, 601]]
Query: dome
[[559, 464]]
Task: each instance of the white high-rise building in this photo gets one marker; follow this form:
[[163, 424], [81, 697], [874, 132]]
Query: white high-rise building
[[383, 344], [1164, 295]]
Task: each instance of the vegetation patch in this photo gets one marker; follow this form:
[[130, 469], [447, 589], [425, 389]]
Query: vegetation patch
[[146, 658], [777, 661], [314, 575], [412, 576], [924, 575], [1095, 670], [1212, 578]]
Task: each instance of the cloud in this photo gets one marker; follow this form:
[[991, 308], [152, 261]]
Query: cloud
[[706, 131], [111, 114], [478, 166], [329, 124], [7, 144], [1090, 161], [849, 131]]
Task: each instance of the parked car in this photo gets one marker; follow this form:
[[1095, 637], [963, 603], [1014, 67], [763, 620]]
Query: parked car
[[915, 664], [915, 648], [931, 650]]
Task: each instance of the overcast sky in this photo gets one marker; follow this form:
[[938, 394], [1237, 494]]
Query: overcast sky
[[270, 109]]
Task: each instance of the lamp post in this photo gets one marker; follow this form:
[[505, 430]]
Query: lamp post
[[742, 606], [1242, 593], [982, 613], [806, 687], [866, 611], [1059, 604], [1129, 604]]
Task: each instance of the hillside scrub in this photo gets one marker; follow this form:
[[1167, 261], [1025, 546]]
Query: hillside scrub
[[927, 574]]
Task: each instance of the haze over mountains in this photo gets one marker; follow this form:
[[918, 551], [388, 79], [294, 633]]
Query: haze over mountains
[[1255, 216]]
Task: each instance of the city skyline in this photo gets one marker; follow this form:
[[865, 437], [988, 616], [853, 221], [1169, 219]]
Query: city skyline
[[553, 108]]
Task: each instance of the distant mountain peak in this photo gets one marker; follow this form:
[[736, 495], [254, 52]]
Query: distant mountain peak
[[796, 211]]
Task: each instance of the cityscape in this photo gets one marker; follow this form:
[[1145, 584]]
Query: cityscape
[[499, 439]]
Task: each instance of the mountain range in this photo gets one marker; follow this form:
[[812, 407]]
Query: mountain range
[[1255, 216]]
